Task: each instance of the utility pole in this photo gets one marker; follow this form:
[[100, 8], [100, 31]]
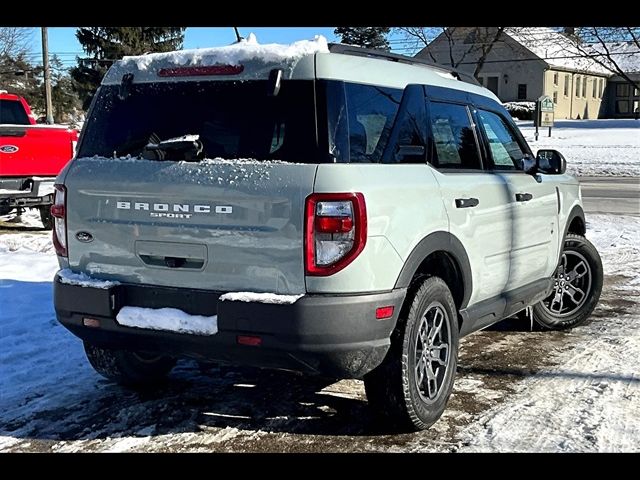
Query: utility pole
[[47, 76]]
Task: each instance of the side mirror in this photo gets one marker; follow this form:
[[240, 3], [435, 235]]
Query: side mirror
[[416, 151], [529, 164], [551, 162]]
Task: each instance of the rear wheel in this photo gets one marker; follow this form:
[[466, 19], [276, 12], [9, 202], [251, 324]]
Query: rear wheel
[[132, 369], [46, 217], [577, 286], [411, 387]]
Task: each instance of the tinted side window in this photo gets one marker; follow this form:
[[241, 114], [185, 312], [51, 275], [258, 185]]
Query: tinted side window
[[371, 113], [505, 150], [12, 112], [412, 126], [454, 140]]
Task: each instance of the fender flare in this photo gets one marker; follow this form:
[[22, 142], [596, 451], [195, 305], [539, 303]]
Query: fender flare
[[576, 212], [435, 242]]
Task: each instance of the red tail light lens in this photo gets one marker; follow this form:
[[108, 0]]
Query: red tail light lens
[[59, 213], [336, 231]]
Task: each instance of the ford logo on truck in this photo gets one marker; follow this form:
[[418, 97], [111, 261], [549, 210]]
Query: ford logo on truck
[[172, 210], [8, 149]]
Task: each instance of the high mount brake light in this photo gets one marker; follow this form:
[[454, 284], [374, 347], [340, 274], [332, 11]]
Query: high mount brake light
[[201, 71]]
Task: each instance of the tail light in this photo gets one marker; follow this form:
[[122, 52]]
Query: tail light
[[59, 214], [335, 231]]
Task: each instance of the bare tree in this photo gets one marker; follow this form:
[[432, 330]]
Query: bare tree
[[15, 41], [617, 49], [478, 41]]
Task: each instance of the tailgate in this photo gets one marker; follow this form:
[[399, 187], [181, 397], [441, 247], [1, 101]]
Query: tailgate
[[218, 225], [34, 150]]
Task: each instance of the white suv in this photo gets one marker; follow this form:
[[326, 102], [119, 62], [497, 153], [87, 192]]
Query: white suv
[[326, 209]]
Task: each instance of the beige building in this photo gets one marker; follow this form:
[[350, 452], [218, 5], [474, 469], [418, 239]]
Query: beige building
[[526, 63]]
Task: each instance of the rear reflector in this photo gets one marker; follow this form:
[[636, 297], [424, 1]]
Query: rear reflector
[[249, 340], [200, 71], [91, 322], [384, 312]]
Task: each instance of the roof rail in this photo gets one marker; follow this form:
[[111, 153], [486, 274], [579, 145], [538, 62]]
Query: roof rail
[[394, 57]]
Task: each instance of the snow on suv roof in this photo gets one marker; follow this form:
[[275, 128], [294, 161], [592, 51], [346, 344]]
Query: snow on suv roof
[[246, 52], [249, 60]]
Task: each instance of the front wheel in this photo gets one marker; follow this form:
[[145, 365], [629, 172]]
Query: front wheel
[[411, 387], [577, 284]]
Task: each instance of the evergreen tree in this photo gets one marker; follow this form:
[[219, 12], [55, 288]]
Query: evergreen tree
[[64, 99], [19, 76], [104, 45], [368, 37]]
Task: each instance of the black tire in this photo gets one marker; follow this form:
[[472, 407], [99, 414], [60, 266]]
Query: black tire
[[131, 369], [578, 255], [45, 217], [392, 388]]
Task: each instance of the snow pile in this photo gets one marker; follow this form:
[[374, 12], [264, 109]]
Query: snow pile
[[254, 297], [168, 319], [235, 54], [83, 280], [592, 147]]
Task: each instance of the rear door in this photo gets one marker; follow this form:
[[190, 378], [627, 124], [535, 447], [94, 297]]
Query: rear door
[[476, 202], [532, 200]]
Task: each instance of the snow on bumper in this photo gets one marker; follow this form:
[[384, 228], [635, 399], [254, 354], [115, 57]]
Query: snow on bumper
[[333, 335]]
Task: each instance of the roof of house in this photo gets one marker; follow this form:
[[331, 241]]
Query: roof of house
[[625, 54], [555, 48]]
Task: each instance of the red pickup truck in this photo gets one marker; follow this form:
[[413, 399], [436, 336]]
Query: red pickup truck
[[31, 156]]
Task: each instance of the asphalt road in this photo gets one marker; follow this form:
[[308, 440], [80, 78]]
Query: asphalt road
[[617, 195]]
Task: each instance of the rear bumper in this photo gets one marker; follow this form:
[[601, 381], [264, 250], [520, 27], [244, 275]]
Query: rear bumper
[[331, 335], [26, 191]]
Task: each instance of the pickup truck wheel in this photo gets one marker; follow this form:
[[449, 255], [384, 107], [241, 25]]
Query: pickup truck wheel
[[132, 369], [45, 217], [411, 387], [576, 289]]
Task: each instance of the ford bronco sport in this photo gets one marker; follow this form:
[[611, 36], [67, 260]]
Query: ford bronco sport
[[323, 209]]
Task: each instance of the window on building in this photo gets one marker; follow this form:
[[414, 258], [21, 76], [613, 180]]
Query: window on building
[[578, 79], [555, 79], [601, 82], [506, 153], [636, 92], [622, 90], [566, 85], [555, 97], [594, 92], [372, 111], [622, 106], [584, 87], [522, 91], [454, 138]]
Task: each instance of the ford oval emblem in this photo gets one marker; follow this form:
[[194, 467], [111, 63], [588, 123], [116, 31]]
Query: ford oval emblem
[[84, 237], [8, 149]]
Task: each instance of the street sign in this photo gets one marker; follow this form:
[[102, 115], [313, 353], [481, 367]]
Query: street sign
[[544, 113], [546, 119], [546, 104]]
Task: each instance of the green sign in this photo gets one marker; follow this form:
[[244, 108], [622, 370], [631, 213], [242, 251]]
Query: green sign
[[546, 104]]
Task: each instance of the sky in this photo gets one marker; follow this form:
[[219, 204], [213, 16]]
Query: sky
[[63, 42]]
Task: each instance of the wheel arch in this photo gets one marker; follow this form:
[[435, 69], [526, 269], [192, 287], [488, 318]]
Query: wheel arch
[[444, 253], [575, 222]]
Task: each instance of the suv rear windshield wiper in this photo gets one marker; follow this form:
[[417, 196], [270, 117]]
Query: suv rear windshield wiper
[[186, 147]]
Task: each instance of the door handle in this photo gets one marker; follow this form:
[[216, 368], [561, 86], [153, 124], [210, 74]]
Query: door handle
[[467, 202], [523, 197]]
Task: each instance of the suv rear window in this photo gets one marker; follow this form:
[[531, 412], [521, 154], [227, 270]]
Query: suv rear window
[[12, 112], [232, 119]]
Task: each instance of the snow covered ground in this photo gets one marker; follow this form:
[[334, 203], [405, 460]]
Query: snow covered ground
[[516, 390], [592, 147]]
